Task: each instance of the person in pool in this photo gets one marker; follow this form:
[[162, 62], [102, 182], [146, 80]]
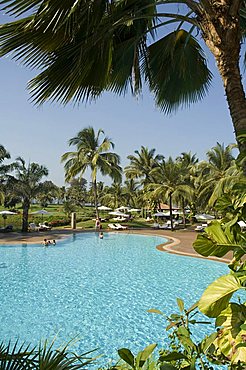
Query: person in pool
[[45, 242], [101, 235]]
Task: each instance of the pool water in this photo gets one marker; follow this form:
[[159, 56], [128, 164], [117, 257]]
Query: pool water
[[96, 290]]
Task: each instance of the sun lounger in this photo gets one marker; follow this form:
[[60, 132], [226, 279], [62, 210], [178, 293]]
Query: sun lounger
[[117, 227], [155, 225], [43, 227], [201, 227], [6, 229], [33, 227], [120, 227]]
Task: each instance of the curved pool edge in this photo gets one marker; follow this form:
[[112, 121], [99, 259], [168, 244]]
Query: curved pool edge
[[168, 247]]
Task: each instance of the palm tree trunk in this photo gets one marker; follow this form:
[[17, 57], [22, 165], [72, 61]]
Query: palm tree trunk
[[26, 206], [95, 197], [224, 43], [183, 211], [171, 210]]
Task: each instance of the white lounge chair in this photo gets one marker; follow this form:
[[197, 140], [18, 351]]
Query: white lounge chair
[[201, 227], [112, 226], [120, 227], [116, 227], [155, 225], [33, 227], [44, 227]]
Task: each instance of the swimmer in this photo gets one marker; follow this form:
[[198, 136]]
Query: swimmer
[[101, 235], [45, 242]]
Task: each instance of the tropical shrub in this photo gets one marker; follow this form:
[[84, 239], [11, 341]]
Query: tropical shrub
[[227, 344], [59, 222]]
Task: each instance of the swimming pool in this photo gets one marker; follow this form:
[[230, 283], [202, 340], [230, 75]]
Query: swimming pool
[[98, 290]]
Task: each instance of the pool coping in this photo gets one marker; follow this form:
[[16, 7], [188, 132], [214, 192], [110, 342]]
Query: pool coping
[[173, 242], [37, 238]]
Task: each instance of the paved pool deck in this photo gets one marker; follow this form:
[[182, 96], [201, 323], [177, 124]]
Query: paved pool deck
[[180, 241]]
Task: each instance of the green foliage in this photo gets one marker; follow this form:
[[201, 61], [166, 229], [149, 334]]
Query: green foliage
[[23, 357], [182, 351], [142, 360]]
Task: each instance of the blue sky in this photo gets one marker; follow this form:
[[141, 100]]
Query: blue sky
[[41, 134]]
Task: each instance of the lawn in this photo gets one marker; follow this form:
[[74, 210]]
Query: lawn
[[57, 218]]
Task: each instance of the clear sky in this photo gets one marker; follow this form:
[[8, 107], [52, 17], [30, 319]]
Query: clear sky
[[41, 134]]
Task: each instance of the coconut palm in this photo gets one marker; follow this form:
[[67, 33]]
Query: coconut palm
[[85, 47], [93, 153], [219, 172], [4, 154], [131, 193], [26, 183], [142, 164], [169, 183], [113, 195]]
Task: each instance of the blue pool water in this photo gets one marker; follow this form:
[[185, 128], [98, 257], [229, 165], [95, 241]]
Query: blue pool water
[[98, 290]]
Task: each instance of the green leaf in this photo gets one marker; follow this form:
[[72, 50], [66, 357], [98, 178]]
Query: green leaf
[[231, 335], [214, 242], [173, 357], [170, 326], [168, 367], [206, 343], [145, 354], [217, 295], [127, 356], [180, 304], [183, 331], [153, 310]]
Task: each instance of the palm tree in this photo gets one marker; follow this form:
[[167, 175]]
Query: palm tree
[[131, 193], [142, 164], [85, 47], [169, 183], [26, 183], [113, 195], [219, 172], [4, 154], [93, 153]]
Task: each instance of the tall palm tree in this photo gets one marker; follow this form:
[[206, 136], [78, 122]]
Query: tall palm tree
[[113, 195], [26, 183], [169, 183], [142, 164], [219, 172], [85, 47], [4, 154], [94, 153], [131, 193]]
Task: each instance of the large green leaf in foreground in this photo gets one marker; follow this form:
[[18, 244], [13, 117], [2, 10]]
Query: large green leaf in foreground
[[231, 336], [215, 241], [217, 295]]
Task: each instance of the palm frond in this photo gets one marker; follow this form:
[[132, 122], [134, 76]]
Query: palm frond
[[176, 71]]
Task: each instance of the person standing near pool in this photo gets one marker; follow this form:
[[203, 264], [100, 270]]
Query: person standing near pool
[[98, 224]]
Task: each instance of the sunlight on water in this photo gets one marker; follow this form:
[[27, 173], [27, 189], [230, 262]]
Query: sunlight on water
[[96, 290]]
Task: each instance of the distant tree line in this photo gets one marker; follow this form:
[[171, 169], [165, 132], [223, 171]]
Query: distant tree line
[[150, 178]]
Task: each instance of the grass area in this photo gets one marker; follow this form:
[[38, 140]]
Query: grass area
[[85, 217], [136, 223]]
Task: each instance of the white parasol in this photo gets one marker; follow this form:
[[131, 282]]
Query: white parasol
[[104, 208], [41, 212], [5, 213]]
